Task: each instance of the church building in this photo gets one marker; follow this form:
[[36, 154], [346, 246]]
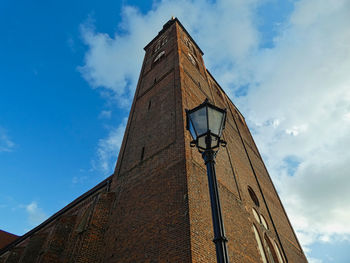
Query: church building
[[155, 207]]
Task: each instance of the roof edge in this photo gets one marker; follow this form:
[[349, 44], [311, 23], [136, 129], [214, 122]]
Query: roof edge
[[57, 214]]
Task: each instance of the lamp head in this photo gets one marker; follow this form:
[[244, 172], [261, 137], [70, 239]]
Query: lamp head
[[206, 123]]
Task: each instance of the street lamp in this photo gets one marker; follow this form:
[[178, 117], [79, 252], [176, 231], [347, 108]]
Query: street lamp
[[205, 123]]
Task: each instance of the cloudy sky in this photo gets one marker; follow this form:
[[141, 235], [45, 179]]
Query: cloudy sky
[[68, 73]]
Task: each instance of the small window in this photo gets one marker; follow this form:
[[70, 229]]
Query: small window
[[193, 60], [142, 153], [190, 46], [194, 51], [164, 41], [149, 104], [260, 245], [186, 40], [83, 224], [159, 56], [253, 196], [161, 42], [156, 48]]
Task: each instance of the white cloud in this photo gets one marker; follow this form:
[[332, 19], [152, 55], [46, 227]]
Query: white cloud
[[314, 260], [298, 87], [304, 81], [35, 214], [6, 144], [113, 63], [108, 148], [105, 114], [295, 130]]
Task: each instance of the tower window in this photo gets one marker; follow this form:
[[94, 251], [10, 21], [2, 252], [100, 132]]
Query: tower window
[[156, 48], [149, 104], [142, 153], [159, 56], [253, 196], [161, 42], [186, 40], [164, 41], [190, 46], [193, 60]]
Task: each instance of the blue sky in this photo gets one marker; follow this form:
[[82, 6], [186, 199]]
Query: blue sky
[[68, 72]]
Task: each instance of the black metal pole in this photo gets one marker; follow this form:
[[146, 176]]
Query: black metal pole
[[218, 224]]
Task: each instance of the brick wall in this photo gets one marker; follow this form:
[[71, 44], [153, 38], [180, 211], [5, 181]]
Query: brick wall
[[74, 234]]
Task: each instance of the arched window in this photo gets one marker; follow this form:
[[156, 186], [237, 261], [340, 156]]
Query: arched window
[[84, 221], [263, 222], [279, 255], [190, 46], [158, 57], [253, 196], [186, 40], [161, 42], [164, 40], [256, 215], [260, 245], [271, 251], [157, 47], [193, 60]]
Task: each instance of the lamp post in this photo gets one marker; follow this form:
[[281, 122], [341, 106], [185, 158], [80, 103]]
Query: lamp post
[[205, 123]]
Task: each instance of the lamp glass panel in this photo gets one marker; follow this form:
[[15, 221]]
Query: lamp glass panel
[[201, 142], [199, 120], [215, 120], [191, 129]]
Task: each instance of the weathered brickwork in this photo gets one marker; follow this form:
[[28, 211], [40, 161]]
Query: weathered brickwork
[[156, 206], [74, 234]]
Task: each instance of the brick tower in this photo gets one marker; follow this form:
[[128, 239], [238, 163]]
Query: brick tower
[[156, 206], [162, 209]]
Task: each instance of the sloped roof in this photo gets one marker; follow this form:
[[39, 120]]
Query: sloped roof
[[6, 238]]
